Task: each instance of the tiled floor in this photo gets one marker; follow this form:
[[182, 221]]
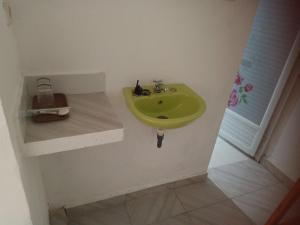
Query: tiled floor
[[224, 153], [241, 193]]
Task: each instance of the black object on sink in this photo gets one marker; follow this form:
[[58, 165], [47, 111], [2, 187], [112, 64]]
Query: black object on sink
[[138, 90]]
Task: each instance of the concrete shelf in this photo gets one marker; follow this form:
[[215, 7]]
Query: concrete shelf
[[92, 122], [92, 118]]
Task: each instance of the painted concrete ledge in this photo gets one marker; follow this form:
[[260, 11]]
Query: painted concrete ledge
[[92, 122]]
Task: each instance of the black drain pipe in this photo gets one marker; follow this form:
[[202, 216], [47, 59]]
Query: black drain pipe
[[160, 137]]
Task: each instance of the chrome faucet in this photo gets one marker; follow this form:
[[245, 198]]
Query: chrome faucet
[[158, 86]]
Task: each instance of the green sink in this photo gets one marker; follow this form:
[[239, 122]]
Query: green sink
[[176, 107]]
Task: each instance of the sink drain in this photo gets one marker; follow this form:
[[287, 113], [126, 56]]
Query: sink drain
[[162, 117]]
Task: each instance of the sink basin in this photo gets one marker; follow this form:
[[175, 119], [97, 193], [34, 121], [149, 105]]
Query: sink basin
[[176, 107]]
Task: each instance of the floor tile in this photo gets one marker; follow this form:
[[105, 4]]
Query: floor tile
[[193, 201], [154, 207], [180, 183], [224, 153], [182, 219], [83, 209], [141, 193], [219, 214], [232, 185], [116, 215], [260, 204], [241, 178], [199, 195], [113, 201], [253, 169], [58, 217], [199, 178], [187, 181]]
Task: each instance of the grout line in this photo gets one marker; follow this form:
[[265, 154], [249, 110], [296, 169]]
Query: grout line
[[204, 206], [186, 211], [216, 203], [177, 197], [252, 192], [239, 195], [241, 178], [208, 205], [145, 194], [227, 198], [223, 200], [237, 148], [127, 212]]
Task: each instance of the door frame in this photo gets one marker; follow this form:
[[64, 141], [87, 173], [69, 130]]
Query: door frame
[[260, 139]]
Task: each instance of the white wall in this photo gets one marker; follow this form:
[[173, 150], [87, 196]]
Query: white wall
[[284, 147], [13, 204], [196, 42], [21, 190]]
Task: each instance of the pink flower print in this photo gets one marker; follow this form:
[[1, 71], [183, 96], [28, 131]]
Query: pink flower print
[[239, 79], [234, 99], [248, 87]]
